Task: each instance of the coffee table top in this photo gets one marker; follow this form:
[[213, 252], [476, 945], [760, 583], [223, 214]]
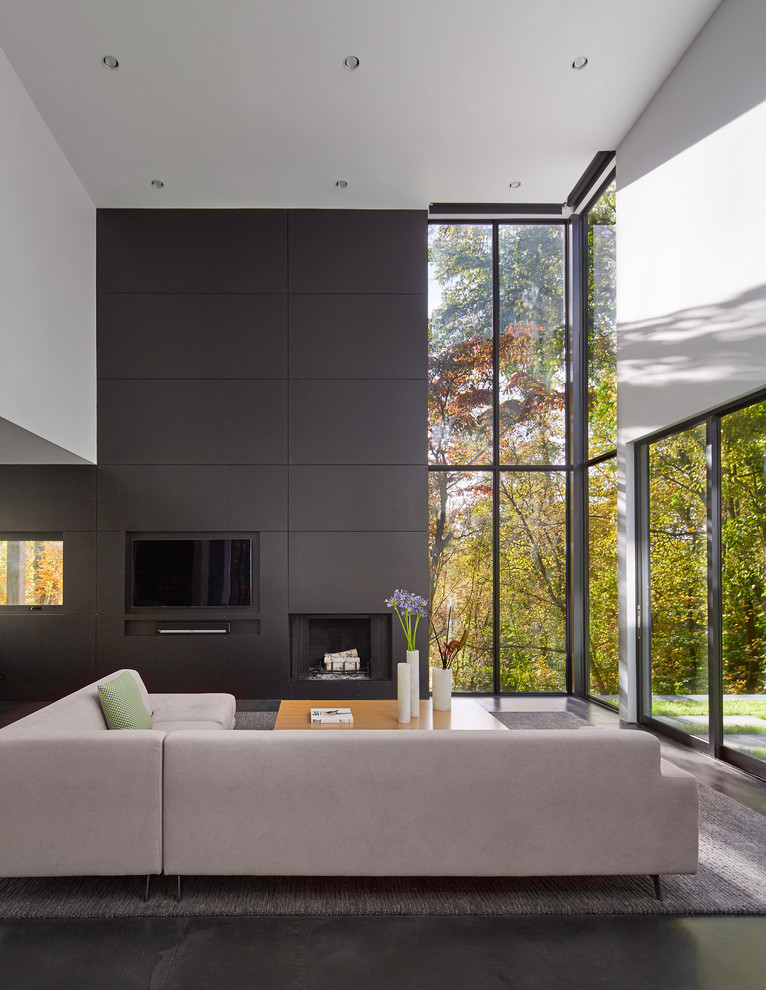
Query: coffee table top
[[466, 714]]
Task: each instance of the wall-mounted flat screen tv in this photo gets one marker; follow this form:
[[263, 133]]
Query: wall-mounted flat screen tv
[[191, 573]]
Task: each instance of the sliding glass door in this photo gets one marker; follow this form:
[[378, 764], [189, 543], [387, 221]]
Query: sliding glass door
[[703, 601], [743, 579], [677, 551]]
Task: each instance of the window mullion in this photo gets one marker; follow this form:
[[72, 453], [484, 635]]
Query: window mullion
[[495, 457], [715, 616], [578, 621]]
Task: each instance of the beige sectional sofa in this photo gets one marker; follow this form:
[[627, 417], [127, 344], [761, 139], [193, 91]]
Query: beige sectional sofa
[[79, 799], [188, 801]]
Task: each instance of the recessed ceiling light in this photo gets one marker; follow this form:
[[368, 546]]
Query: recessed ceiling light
[[580, 62], [110, 61], [341, 184], [351, 62], [515, 184], [157, 184]]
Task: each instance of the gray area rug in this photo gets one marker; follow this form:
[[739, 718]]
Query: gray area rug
[[254, 720], [512, 720], [731, 880], [541, 720]]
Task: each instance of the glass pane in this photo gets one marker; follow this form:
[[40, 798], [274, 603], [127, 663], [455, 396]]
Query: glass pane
[[31, 572], [603, 652], [460, 573], [743, 537], [602, 325], [678, 565], [460, 349], [533, 581], [532, 344]]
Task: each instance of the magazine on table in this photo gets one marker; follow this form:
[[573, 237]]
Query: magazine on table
[[324, 716]]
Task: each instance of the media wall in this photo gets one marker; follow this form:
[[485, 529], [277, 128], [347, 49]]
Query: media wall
[[259, 372]]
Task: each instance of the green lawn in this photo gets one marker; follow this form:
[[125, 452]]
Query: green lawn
[[731, 706]]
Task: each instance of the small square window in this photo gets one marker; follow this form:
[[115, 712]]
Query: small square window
[[31, 571]]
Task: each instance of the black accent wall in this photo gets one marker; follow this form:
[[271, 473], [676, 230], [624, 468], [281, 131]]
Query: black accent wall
[[260, 371]]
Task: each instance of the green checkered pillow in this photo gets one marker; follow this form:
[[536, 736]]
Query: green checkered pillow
[[122, 704]]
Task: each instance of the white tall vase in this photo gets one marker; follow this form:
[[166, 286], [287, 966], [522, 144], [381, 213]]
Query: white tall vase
[[413, 659], [441, 681], [403, 692]]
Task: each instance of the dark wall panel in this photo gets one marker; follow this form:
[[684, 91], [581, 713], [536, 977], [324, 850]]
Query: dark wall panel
[[357, 422], [192, 335], [192, 422], [357, 251], [368, 497], [180, 498], [79, 573], [353, 572], [47, 497], [274, 574], [46, 655], [111, 563], [192, 251], [357, 336]]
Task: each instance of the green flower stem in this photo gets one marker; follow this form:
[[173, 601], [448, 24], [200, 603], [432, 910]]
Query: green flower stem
[[409, 632]]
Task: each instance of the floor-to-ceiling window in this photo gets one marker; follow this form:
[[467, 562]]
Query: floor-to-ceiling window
[[703, 625], [600, 455], [498, 415]]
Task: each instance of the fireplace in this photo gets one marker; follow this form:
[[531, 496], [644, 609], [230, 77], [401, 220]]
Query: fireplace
[[315, 637]]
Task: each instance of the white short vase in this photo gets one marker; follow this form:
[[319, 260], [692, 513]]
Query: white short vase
[[441, 681], [413, 659]]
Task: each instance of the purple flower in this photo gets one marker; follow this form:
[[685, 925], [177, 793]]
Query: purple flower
[[406, 601], [407, 606]]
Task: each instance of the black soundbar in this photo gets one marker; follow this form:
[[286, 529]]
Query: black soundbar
[[193, 628]]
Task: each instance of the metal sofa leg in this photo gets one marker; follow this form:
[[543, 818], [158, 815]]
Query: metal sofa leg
[[178, 891], [657, 886], [146, 889]]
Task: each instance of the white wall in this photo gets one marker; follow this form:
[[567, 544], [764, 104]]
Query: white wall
[[691, 253], [47, 288]]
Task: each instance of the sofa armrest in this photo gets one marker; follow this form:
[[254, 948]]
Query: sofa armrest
[[81, 803]]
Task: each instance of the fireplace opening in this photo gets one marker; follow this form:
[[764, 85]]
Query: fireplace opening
[[340, 647]]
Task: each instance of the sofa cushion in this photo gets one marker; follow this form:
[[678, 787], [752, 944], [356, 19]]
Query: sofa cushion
[[122, 704], [205, 708]]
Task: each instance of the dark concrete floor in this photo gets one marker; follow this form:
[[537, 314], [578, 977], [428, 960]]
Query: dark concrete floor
[[403, 953], [571, 953]]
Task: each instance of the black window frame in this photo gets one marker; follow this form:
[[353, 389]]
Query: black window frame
[[582, 463]]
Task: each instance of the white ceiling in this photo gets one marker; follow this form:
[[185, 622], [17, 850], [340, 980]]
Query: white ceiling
[[246, 103]]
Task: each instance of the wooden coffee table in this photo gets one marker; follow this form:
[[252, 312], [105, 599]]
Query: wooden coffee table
[[466, 714]]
